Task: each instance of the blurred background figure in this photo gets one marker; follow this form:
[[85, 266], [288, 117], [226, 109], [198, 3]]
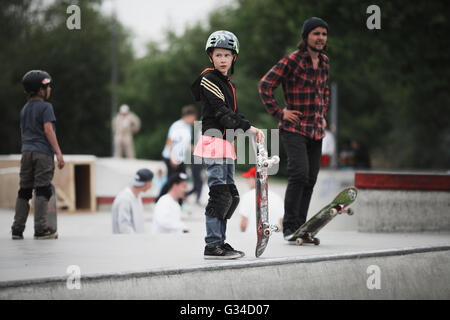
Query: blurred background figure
[[178, 142], [247, 205], [361, 155], [167, 212], [328, 149], [125, 125], [128, 209], [196, 170], [160, 180]]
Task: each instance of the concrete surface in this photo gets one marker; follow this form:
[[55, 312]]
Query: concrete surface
[[412, 266], [402, 211]]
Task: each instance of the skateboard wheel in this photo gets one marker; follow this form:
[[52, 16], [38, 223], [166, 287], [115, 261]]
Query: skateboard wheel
[[267, 232], [333, 212], [299, 241], [350, 211], [316, 241]]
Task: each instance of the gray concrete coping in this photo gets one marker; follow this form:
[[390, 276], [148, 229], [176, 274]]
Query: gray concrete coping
[[168, 271]]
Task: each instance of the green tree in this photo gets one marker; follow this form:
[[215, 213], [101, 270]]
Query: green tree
[[79, 62]]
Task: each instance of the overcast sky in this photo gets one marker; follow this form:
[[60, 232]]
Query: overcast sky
[[147, 19]]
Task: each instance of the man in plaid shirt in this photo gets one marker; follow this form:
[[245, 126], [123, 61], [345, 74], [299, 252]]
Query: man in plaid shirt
[[303, 75]]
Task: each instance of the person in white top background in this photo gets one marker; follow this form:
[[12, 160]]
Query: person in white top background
[[247, 205], [167, 211], [127, 208], [177, 143]]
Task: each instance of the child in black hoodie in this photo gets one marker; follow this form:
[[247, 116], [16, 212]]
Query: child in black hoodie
[[220, 119]]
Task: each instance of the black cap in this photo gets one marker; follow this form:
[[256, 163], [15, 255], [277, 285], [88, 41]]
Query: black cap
[[176, 178], [311, 24], [142, 176]]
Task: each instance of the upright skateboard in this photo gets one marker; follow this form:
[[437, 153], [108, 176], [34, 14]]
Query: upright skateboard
[[307, 232], [263, 228]]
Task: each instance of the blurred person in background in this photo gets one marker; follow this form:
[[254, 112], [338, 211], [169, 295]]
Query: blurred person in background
[[167, 211], [127, 208], [125, 125], [247, 205]]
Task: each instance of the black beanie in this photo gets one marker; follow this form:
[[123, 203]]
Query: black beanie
[[311, 24]]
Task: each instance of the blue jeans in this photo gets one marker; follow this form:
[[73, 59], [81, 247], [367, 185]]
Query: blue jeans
[[218, 171]]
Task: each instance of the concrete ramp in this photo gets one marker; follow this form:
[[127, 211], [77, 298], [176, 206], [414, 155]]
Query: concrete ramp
[[410, 273]]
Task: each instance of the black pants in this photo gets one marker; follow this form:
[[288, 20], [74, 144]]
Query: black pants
[[196, 170], [303, 167]]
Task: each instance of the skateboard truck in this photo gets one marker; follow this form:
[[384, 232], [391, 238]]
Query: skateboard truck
[[269, 228], [340, 210]]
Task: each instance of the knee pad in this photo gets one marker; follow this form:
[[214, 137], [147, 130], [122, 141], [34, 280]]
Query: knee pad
[[219, 202], [234, 200], [44, 192], [25, 194]]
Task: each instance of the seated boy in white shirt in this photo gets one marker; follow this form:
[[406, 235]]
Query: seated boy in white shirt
[[167, 211]]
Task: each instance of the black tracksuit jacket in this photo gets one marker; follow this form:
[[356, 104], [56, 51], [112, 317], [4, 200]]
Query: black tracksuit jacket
[[218, 95]]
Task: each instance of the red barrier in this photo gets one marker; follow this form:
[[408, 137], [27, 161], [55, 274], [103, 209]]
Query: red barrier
[[400, 181]]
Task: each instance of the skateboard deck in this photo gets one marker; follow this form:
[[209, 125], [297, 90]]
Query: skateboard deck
[[263, 228], [307, 232]]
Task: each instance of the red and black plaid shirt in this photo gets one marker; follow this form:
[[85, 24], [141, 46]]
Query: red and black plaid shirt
[[305, 90]]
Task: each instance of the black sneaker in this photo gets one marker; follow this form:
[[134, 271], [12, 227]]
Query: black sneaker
[[226, 246], [17, 235], [289, 235], [46, 234], [218, 253]]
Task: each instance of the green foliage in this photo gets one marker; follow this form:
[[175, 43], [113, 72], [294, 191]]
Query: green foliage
[[393, 82], [80, 65]]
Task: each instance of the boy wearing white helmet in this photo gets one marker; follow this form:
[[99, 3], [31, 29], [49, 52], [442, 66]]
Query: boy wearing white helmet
[[219, 114]]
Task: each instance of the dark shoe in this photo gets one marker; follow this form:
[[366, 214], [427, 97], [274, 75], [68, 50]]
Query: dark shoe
[[226, 246], [17, 235], [47, 234], [218, 253], [288, 235]]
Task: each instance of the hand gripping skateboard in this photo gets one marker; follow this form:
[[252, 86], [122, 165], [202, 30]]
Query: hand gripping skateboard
[[263, 228], [307, 232]]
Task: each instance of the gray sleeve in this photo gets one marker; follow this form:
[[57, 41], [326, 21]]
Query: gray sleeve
[[125, 218], [48, 115]]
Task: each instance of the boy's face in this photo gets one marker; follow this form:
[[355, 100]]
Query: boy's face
[[147, 186], [222, 59], [317, 39], [190, 118], [45, 92], [180, 189]]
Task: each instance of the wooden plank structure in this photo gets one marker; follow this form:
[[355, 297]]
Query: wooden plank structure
[[75, 183]]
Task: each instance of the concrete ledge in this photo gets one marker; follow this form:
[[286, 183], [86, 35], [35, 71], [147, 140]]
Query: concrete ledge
[[397, 202], [402, 211], [411, 273]]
